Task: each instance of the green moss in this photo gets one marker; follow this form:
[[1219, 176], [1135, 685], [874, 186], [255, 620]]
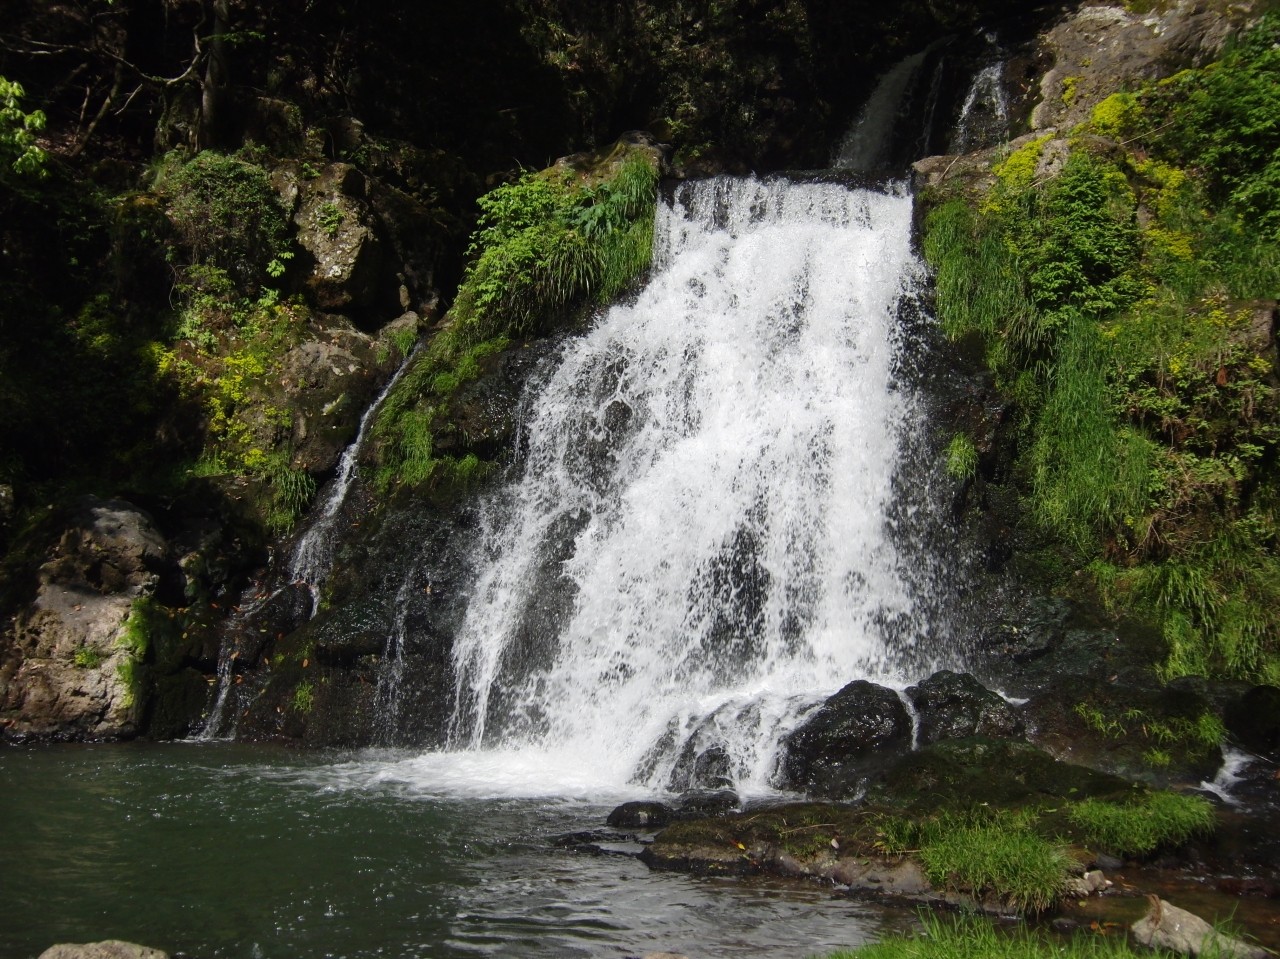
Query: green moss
[[1116, 116], [87, 657]]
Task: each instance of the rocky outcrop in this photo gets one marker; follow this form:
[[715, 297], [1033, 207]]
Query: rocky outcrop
[[864, 728], [1099, 49], [69, 666], [953, 705], [1093, 51]]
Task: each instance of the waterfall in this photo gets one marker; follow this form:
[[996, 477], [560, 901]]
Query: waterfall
[[697, 547], [309, 564], [984, 116], [312, 556]]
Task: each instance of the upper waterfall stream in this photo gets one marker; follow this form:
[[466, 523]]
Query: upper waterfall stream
[[695, 547]]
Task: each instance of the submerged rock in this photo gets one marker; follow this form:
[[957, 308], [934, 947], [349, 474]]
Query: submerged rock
[[640, 814]]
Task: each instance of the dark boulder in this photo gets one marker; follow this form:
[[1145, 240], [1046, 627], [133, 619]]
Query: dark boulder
[[853, 732], [955, 705], [1253, 720], [641, 814]]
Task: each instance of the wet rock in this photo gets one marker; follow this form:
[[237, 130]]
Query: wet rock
[[1127, 723], [1083, 886], [328, 381], [641, 814], [955, 705], [108, 949], [713, 803], [1253, 721], [66, 671], [860, 727], [1167, 927]]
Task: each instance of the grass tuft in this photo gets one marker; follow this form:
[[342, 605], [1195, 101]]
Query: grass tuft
[[1159, 819]]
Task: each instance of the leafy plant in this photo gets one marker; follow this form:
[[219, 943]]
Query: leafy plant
[[330, 217], [304, 697], [18, 150]]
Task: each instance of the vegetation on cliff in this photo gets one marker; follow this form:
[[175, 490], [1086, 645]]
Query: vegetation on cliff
[[1123, 294], [548, 245]]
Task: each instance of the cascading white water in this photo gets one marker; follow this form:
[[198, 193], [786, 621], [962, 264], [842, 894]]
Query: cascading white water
[[697, 549], [984, 116]]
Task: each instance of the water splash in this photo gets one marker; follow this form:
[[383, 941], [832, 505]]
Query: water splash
[[697, 549]]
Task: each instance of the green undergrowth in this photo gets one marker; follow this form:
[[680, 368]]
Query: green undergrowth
[[1124, 305], [1018, 857], [972, 937], [231, 328], [547, 245]]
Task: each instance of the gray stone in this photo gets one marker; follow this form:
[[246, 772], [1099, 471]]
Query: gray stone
[[336, 226], [63, 662], [107, 949], [1168, 927]]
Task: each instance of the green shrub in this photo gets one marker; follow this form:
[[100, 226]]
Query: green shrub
[[546, 244], [18, 149], [1116, 301], [1140, 827], [227, 214], [1221, 120]]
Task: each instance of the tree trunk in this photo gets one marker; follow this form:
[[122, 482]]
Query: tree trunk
[[215, 87]]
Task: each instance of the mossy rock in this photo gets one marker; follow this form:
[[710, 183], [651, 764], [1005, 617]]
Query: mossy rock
[[979, 770]]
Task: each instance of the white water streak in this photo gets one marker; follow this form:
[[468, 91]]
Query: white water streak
[[312, 557]]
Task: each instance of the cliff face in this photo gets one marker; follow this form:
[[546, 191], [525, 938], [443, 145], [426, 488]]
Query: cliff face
[[236, 239]]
